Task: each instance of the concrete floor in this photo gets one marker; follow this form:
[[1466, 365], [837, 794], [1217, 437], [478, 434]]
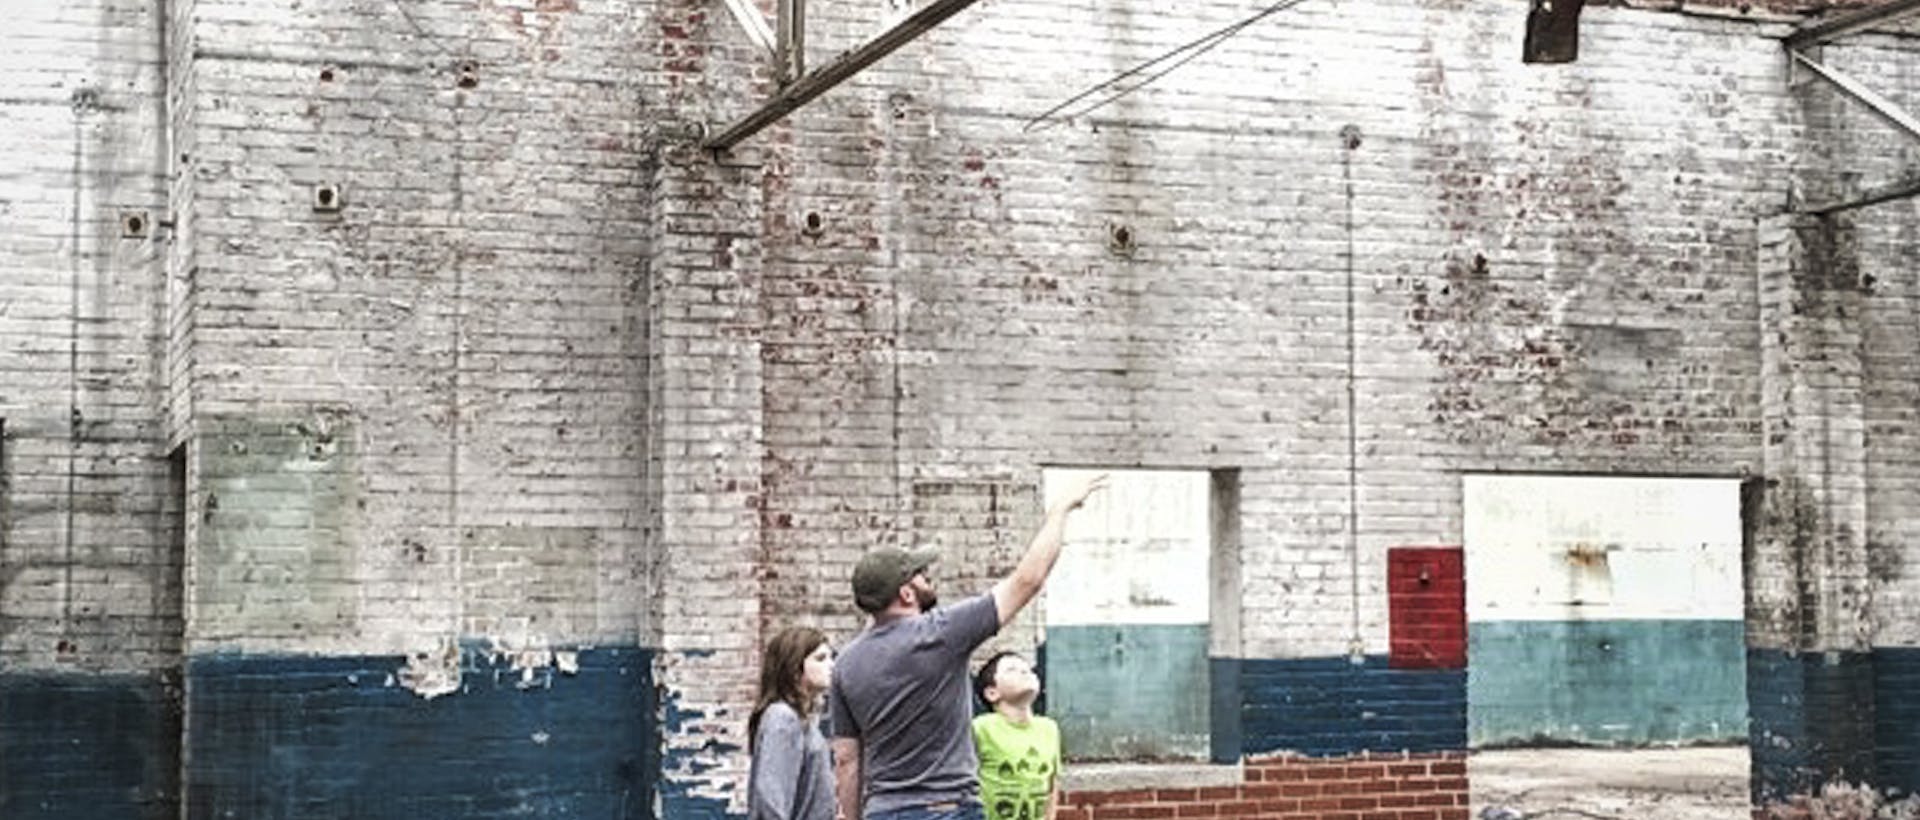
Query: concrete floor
[[1666, 784]]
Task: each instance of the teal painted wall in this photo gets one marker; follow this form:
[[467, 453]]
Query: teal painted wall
[[1628, 682], [1132, 692]]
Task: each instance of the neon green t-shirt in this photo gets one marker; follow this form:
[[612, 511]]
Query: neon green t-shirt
[[1018, 765]]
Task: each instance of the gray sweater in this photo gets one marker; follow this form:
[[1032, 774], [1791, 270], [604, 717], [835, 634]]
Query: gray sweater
[[792, 775]]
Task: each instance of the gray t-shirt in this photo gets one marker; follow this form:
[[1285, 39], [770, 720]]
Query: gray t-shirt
[[900, 688], [792, 777]]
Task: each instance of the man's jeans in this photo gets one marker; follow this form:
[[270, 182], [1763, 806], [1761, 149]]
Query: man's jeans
[[937, 811]]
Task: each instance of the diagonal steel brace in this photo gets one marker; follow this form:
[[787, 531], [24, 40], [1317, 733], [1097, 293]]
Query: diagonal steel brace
[[1887, 109]]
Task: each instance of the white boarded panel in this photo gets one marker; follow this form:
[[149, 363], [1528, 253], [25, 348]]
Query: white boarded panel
[[1137, 553], [1602, 548]]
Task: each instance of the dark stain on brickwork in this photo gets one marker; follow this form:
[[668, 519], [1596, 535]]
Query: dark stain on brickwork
[[1550, 320], [1886, 562], [1824, 562], [1798, 520]]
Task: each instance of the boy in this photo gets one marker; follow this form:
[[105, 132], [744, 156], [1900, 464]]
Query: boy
[[1019, 751]]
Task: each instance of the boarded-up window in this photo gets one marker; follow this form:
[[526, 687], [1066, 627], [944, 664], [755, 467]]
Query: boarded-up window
[[1127, 617], [1604, 609]]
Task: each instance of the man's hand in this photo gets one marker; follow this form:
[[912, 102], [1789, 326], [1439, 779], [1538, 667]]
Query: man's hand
[[1087, 488], [1014, 592]]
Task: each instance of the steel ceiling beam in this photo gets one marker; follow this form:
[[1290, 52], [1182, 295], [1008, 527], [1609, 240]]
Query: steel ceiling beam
[[820, 81], [790, 40], [1851, 23], [1873, 196], [757, 29]]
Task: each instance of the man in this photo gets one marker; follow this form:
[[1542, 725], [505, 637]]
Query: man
[[900, 705]]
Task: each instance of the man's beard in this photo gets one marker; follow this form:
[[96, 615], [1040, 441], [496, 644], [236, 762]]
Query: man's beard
[[927, 599]]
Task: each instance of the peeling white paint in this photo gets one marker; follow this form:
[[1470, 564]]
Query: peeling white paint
[[534, 662], [433, 673]]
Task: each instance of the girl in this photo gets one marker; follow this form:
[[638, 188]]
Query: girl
[[792, 774]]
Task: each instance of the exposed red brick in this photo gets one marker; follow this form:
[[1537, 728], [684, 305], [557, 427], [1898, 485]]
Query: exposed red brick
[[1303, 789], [1392, 786], [1109, 798], [1135, 811], [1366, 771]]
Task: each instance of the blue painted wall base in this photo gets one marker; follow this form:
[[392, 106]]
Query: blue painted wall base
[[1812, 721], [1130, 692], [89, 747], [1896, 723], [1327, 707], [1606, 682], [316, 738]]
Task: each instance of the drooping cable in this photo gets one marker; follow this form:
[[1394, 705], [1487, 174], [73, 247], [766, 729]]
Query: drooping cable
[[1180, 56]]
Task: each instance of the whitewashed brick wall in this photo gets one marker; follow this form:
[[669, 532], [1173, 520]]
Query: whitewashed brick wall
[[552, 375], [1552, 266], [89, 569], [470, 322]]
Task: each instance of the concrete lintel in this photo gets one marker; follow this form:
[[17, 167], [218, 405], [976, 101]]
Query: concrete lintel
[[1106, 777]]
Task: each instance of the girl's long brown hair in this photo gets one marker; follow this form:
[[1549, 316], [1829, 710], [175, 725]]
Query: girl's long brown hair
[[781, 666]]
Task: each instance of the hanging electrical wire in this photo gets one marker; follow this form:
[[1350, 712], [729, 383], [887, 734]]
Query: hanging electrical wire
[[1184, 53]]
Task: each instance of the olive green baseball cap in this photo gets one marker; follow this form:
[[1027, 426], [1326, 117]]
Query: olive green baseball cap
[[881, 573]]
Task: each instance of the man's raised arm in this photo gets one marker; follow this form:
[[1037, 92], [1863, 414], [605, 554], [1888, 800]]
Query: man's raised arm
[[1014, 592]]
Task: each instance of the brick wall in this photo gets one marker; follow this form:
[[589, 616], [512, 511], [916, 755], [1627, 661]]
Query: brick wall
[[1574, 344], [1524, 296], [1876, 246], [1401, 786], [90, 591], [88, 564], [1821, 577], [468, 323], [550, 378], [415, 421]]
